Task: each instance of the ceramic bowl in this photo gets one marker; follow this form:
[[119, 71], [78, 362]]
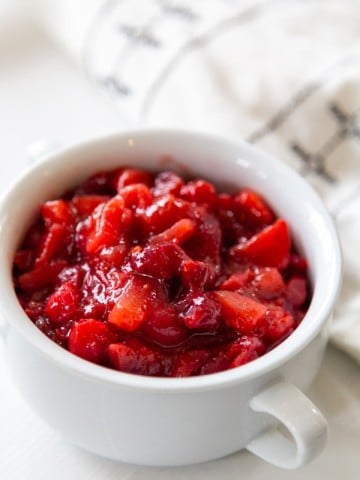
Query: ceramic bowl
[[160, 421]]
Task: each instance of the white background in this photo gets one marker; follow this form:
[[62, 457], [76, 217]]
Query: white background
[[44, 96]]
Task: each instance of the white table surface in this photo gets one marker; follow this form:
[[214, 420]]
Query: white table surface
[[43, 96]]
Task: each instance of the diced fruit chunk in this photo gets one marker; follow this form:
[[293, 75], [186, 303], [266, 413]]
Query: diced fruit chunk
[[164, 212], [252, 209], [139, 359], [199, 192], [268, 283], [216, 363], [177, 233], [269, 248], [111, 221], [167, 182], [41, 277], [89, 339], [195, 275], [278, 324], [245, 356], [205, 244], [62, 304], [240, 312], [296, 291], [114, 255], [56, 211], [188, 363], [239, 280], [129, 176], [23, 259], [52, 242], [129, 311], [246, 343], [136, 196], [86, 204]]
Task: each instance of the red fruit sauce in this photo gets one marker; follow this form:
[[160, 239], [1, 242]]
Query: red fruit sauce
[[151, 274]]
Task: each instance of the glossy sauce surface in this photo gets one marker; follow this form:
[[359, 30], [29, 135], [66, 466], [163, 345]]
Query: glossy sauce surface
[[158, 275]]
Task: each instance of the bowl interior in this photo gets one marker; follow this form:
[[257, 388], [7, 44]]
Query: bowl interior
[[229, 166]]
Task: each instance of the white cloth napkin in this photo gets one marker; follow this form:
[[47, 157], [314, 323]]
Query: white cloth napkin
[[283, 74]]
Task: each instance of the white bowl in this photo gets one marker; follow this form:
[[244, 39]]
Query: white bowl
[[177, 421]]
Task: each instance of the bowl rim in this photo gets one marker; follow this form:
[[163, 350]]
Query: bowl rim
[[298, 340]]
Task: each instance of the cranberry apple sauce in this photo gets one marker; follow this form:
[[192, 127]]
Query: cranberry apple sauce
[[153, 274]]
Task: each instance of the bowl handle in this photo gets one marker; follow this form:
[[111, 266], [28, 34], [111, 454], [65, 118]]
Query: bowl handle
[[301, 430]]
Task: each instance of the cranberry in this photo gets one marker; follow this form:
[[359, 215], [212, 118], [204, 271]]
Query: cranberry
[[200, 192], [216, 363], [84, 205], [62, 305], [167, 182], [23, 260], [188, 363], [252, 209], [130, 176], [297, 291], [160, 260], [136, 196], [200, 311], [137, 358], [110, 222], [163, 326], [42, 277], [89, 339], [164, 212], [97, 184], [195, 274]]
